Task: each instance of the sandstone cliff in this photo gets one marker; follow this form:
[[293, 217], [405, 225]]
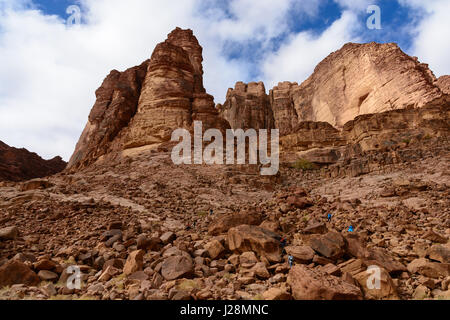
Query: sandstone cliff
[[247, 106], [143, 105], [444, 84], [20, 164], [357, 79]]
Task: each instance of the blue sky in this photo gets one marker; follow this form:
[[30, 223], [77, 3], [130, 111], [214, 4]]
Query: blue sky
[[395, 17], [49, 70]]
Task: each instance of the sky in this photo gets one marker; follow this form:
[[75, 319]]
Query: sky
[[53, 59]]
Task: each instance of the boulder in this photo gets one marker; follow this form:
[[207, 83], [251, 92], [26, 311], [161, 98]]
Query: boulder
[[312, 284], [429, 269], [135, 262], [434, 237], [276, 294], [316, 228], [9, 233], [225, 223], [330, 245], [214, 249], [301, 254], [16, 272], [176, 267], [440, 253], [299, 202], [252, 238], [46, 275], [248, 259], [379, 257], [369, 285]]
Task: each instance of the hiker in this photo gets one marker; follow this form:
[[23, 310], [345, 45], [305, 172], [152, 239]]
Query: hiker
[[283, 243], [329, 217], [350, 229], [211, 212], [291, 261]]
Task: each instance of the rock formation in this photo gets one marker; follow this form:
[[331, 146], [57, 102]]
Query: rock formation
[[355, 80], [143, 105], [444, 84], [247, 106], [20, 164]]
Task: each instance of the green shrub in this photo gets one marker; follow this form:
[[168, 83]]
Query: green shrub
[[302, 164]]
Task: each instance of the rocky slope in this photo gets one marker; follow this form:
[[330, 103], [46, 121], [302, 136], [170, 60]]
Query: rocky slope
[[20, 164], [139, 227]]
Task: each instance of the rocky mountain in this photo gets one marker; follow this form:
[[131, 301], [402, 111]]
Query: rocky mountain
[[20, 164], [143, 105], [355, 80], [363, 183]]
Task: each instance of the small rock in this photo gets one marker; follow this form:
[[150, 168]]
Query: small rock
[[135, 262], [46, 275], [276, 294], [168, 237], [9, 233], [214, 249]]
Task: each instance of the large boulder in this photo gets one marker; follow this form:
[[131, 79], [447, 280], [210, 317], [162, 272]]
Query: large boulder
[[316, 228], [16, 272], [368, 283], [225, 223], [214, 249], [176, 267], [301, 254], [379, 257], [312, 284], [9, 233], [440, 253], [252, 238], [330, 245], [429, 269], [357, 247]]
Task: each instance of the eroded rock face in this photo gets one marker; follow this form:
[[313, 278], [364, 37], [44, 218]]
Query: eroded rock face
[[116, 104], [247, 106], [20, 164], [358, 79], [143, 105], [361, 79], [444, 84]]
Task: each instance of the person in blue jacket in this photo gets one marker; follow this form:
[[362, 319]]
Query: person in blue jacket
[[291, 261], [329, 217], [350, 229]]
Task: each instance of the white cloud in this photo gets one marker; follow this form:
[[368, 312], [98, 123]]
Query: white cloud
[[295, 61], [356, 5], [431, 35], [49, 72]]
